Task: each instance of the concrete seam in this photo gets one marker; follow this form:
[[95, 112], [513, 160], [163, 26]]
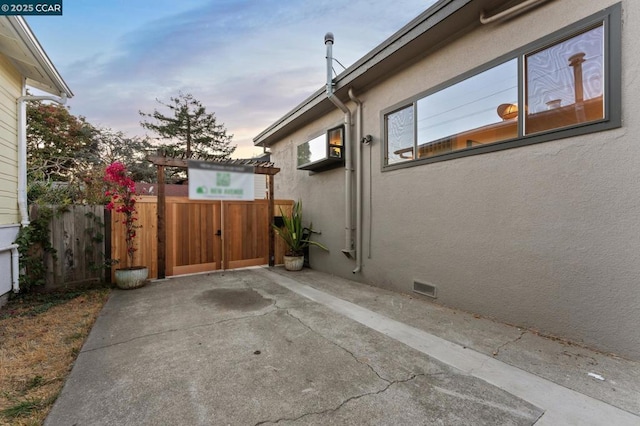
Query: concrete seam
[[539, 418], [343, 403], [173, 330]]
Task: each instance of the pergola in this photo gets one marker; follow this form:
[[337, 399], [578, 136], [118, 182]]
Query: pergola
[[162, 161]]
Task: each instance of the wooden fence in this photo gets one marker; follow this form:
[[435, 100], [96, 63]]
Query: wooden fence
[[201, 235], [78, 235]]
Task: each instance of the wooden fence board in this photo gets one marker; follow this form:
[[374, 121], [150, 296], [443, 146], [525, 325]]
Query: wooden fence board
[[77, 235], [192, 243], [145, 242]]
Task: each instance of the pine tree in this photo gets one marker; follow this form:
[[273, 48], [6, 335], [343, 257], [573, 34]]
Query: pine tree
[[190, 131]]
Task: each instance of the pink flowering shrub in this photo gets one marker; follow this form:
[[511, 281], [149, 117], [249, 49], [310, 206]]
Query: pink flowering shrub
[[122, 199]]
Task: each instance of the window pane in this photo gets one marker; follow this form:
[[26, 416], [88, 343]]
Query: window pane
[[479, 110], [314, 150], [335, 136], [565, 83], [400, 135]]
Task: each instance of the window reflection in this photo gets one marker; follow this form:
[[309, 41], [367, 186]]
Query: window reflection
[[312, 151], [565, 83], [400, 131], [561, 85], [481, 109], [322, 152]]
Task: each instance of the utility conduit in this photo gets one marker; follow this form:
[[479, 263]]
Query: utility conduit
[[358, 171], [509, 12], [14, 265]]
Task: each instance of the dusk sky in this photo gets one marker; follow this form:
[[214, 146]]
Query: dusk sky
[[249, 61]]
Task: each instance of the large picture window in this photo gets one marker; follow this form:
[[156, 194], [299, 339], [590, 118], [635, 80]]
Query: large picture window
[[558, 87]]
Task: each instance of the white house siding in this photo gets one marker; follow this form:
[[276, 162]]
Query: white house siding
[[545, 236], [10, 90]]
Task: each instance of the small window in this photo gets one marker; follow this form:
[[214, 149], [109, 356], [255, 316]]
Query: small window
[[322, 152], [400, 135], [564, 85]]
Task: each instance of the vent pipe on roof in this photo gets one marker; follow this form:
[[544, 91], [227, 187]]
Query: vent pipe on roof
[[348, 170]]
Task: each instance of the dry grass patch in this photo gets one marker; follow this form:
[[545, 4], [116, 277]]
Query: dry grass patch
[[40, 338]]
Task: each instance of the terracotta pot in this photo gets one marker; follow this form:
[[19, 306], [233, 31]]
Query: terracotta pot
[[130, 278], [293, 263]]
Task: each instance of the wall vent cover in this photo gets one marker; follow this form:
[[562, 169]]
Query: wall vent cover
[[424, 288]]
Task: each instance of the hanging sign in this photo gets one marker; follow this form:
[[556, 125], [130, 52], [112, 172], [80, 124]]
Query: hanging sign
[[211, 181]]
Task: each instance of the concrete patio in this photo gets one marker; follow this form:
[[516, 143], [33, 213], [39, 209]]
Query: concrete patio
[[263, 346]]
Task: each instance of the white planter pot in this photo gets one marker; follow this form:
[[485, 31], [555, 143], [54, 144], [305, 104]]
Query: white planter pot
[[293, 263], [130, 278]]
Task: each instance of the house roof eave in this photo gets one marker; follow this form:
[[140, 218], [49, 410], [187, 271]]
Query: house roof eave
[[364, 71], [439, 24], [25, 52]]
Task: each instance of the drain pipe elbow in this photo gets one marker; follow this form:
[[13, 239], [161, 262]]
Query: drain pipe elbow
[[22, 149]]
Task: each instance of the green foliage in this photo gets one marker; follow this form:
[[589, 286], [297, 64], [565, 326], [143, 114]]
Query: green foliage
[[96, 234], [54, 193], [131, 151], [189, 130], [56, 141], [23, 408], [34, 248], [294, 234]]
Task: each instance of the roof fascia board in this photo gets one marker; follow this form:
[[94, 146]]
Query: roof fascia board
[[32, 44]]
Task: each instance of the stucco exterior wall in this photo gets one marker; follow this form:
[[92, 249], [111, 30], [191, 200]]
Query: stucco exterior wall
[[10, 90], [545, 236]]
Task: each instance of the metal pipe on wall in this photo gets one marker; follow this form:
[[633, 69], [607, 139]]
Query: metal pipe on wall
[[521, 7], [348, 242], [15, 266], [358, 172]]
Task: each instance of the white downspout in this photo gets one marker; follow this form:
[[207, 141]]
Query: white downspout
[[22, 148], [358, 103], [348, 242], [15, 266]]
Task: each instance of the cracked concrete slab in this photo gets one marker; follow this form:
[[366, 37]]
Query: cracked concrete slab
[[565, 363], [423, 400], [239, 348]]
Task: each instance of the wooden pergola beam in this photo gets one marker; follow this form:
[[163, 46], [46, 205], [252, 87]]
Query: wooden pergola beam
[[259, 168]]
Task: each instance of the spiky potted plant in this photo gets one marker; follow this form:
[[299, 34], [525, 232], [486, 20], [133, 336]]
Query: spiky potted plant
[[296, 237], [121, 191]]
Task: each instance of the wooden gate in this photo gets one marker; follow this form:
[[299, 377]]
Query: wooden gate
[[193, 236], [202, 235]]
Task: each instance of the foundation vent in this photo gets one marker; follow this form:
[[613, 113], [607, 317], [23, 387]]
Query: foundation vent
[[425, 288]]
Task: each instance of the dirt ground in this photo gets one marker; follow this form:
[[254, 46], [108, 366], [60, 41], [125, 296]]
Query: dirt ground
[[40, 337]]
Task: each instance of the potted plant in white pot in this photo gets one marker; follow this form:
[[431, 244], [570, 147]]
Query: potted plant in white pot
[[296, 237], [121, 190]]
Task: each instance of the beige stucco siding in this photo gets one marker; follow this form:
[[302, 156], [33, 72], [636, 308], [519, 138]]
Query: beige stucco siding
[[10, 90], [544, 236]]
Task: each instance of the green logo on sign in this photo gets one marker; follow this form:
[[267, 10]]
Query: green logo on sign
[[223, 179]]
